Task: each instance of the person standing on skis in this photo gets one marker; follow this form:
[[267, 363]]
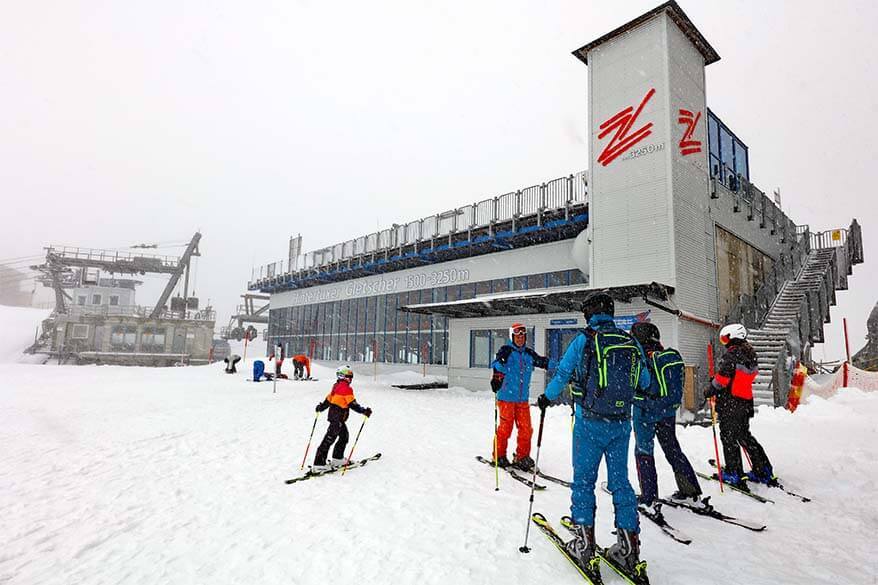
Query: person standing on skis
[[609, 365], [339, 401], [513, 366], [655, 414], [732, 387]]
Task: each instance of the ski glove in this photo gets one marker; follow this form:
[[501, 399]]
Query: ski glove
[[367, 412], [320, 407], [496, 381], [543, 402]]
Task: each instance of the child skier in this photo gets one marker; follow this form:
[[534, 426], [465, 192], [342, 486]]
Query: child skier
[[655, 413], [733, 388], [338, 401]]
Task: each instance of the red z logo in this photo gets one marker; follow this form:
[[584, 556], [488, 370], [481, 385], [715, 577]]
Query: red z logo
[[687, 144], [622, 123]]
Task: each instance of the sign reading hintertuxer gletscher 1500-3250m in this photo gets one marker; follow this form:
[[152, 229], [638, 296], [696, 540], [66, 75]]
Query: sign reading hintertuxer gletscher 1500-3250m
[[508, 264]]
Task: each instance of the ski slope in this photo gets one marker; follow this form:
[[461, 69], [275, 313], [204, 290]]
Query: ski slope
[[175, 475]]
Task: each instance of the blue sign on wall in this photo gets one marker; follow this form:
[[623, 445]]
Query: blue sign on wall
[[563, 321], [626, 321]]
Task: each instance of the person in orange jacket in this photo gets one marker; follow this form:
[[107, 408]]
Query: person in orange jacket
[[301, 363]]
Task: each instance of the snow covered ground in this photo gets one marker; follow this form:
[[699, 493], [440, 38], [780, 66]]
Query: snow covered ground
[[175, 475], [18, 325]]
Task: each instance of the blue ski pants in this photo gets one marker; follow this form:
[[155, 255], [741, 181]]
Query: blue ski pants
[[648, 426], [593, 440]]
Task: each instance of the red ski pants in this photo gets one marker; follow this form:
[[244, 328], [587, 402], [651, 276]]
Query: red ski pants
[[518, 414]]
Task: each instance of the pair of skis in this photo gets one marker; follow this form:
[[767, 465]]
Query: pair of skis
[[352, 465], [516, 474], [773, 484], [590, 571], [704, 508]]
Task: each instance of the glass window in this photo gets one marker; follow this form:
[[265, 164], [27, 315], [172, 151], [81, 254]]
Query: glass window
[[519, 283], [152, 340], [713, 134], [557, 278], [741, 159], [498, 340], [480, 348], [114, 300], [80, 300], [726, 150], [467, 291], [502, 285], [715, 168], [96, 299], [577, 277], [123, 338], [483, 288], [536, 281]]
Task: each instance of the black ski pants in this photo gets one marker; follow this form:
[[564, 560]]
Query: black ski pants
[[336, 430], [734, 430], [298, 370]]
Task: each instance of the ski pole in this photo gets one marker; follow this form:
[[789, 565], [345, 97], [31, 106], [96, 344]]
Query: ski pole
[[719, 466], [533, 485], [496, 469], [357, 438], [307, 447]]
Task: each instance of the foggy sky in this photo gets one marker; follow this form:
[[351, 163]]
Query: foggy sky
[[129, 122]]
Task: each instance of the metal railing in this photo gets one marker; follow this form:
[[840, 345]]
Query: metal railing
[[75, 253], [139, 312], [555, 195]]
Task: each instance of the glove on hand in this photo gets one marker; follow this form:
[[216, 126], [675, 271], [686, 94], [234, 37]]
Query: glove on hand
[[496, 381], [543, 402], [367, 413]]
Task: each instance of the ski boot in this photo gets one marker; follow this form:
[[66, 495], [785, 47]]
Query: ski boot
[[687, 498], [343, 462], [765, 475], [654, 507], [525, 464], [737, 481], [626, 555], [320, 468], [502, 462], [582, 550]]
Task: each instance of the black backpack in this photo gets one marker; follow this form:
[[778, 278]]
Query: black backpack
[[612, 374]]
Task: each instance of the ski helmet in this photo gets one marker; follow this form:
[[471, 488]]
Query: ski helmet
[[646, 333], [518, 329], [598, 302], [733, 331], [344, 372]]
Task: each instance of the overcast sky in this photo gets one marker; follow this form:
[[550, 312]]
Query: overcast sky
[[129, 122]]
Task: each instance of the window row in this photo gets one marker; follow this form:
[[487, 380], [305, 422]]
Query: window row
[[124, 338], [348, 328], [729, 158]]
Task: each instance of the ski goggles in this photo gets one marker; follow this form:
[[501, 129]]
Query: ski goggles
[[518, 330]]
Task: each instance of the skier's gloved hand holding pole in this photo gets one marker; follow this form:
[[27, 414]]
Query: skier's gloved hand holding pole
[[543, 402], [496, 381]]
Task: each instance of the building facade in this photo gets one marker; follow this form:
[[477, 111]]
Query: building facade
[[666, 220]]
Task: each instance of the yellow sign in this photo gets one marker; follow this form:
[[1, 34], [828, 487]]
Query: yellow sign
[[836, 235]]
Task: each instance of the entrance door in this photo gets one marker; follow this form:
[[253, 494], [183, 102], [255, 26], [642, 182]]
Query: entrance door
[[557, 341], [179, 341]]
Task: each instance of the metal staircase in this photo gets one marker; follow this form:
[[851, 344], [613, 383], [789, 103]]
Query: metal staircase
[[786, 314]]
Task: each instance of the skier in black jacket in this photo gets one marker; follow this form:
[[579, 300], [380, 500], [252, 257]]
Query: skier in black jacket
[[733, 388]]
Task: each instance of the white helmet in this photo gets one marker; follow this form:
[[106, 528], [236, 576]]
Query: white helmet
[[733, 331]]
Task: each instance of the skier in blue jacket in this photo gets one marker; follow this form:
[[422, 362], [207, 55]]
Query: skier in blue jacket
[[513, 366], [655, 414], [607, 366]]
